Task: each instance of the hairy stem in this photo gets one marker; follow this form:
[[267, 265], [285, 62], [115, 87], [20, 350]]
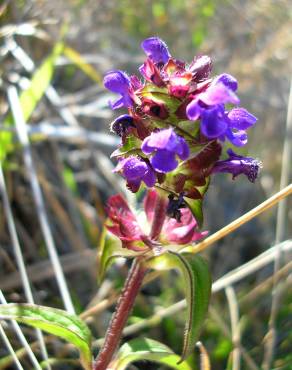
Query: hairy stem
[[128, 295], [159, 216], [120, 317]]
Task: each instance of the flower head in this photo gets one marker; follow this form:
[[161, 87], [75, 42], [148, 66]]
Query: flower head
[[174, 110], [237, 165], [166, 145], [135, 170]]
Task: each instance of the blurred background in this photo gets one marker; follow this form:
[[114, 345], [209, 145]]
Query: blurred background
[[58, 174]]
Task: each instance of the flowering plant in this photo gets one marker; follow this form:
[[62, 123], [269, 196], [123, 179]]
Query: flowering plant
[[178, 121], [175, 136]]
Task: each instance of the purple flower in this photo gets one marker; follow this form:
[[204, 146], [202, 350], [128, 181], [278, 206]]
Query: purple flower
[[215, 121], [166, 145], [135, 170], [237, 165], [121, 124], [156, 50], [118, 82]]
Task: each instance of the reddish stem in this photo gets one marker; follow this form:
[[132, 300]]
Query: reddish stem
[[128, 295], [120, 317], [159, 217]]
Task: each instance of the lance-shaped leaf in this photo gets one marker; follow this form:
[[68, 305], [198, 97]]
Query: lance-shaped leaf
[[54, 321], [110, 248], [197, 280], [147, 349]]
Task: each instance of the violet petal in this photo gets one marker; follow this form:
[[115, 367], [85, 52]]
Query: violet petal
[[134, 168], [241, 119], [183, 150], [238, 138], [193, 110], [149, 178], [164, 161], [117, 81], [158, 140], [228, 80], [213, 123], [218, 94], [156, 49]]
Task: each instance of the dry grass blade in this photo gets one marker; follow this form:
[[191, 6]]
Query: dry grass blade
[[10, 348], [235, 328], [267, 204], [267, 284], [280, 235], [55, 130], [43, 270], [19, 256], [51, 93], [204, 358], [217, 317], [252, 266], [38, 198]]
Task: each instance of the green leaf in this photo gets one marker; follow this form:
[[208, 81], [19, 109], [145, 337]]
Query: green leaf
[[54, 321], [109, 249], [132, 145], [197, 280], [146, 349], [29, 98]]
